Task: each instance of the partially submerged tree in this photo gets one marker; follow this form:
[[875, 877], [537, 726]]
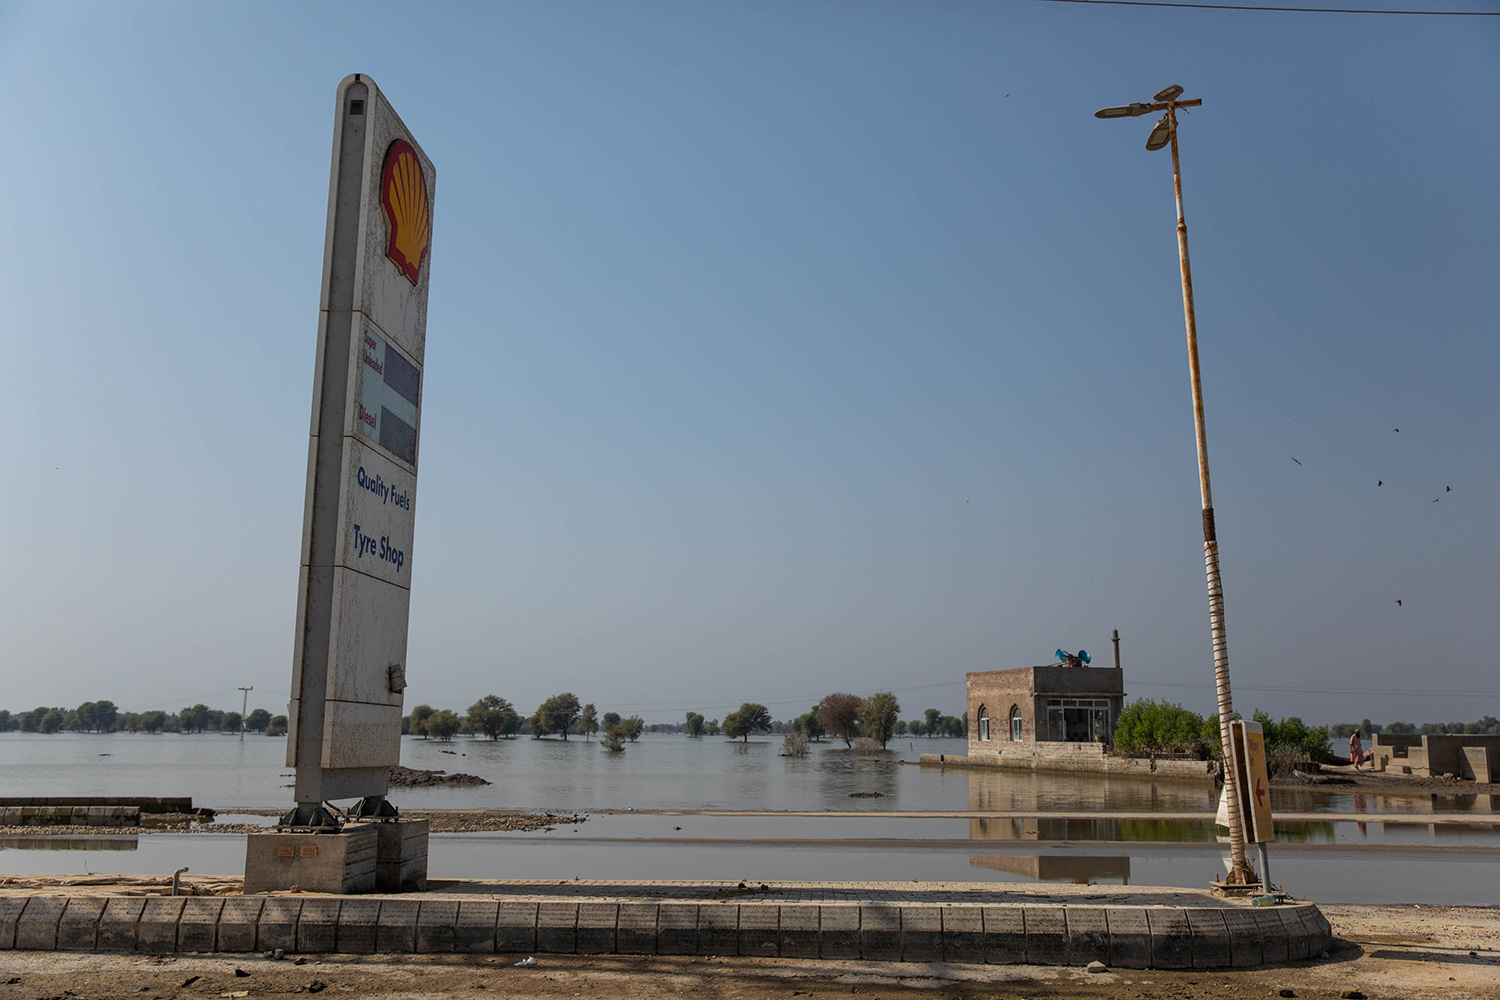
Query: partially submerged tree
[[839, 714], [748, 718], [198, 718], [932, 720], [416, 722], [694, 726], [809, 724], [877, 716], [95, 716], [558, 714], [442, 725], [588, 722], [492, 716]]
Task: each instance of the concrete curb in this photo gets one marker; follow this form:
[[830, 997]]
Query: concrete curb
[[1129, 937]]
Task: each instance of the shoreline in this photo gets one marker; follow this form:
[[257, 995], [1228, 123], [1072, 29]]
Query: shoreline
[[459, 821]]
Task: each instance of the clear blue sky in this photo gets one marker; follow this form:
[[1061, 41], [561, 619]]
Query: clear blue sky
[[774, 349]]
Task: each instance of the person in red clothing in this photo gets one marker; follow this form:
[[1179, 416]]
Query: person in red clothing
[[1357, 754]]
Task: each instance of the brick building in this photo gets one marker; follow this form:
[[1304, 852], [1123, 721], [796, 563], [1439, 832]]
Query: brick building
[[1030, 707]]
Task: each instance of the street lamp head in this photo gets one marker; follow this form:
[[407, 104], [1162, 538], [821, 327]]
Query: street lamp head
[[1128, 111], [1169, 93], [1160, 136]]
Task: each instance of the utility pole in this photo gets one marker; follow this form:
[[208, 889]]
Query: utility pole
[[244, 704], [1165, 133]]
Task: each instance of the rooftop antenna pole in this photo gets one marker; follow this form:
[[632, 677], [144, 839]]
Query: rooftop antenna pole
[[244, 704]]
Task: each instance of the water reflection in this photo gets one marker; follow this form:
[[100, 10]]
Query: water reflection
[[1325, 799], [1054, 868], [1043, 791], [1049, 867]]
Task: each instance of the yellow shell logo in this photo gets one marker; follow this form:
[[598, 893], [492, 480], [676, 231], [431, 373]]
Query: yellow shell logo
[[403, 195]]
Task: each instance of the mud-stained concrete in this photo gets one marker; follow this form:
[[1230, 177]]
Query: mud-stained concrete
[[1381, 952]]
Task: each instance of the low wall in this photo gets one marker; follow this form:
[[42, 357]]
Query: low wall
[[1131, 937], [144, 803], [70, 816], [1479, 764], [1096, 763], [1466, 756]]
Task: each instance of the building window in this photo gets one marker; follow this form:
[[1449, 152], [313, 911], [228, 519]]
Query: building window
[[984, 723], [1078, 720], [1015, 723]]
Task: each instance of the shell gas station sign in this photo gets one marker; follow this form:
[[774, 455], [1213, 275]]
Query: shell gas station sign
[[358, 531]]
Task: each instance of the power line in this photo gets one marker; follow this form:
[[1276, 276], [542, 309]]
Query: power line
[[1287, 10], [1391, 692]]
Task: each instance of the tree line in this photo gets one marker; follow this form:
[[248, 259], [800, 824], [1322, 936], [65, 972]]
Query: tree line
[[1148, 726], [840, 715], [1487, 726], [106, 717], [497, 718]]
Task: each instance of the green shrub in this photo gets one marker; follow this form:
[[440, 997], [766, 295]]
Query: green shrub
[[1294, 736], [1150, 726]]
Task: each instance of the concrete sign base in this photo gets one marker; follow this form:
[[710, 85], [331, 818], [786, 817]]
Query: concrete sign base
[[401, 855], [315, 862]]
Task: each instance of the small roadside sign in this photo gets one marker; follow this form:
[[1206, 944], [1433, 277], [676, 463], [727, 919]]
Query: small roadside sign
[[1253, 784]]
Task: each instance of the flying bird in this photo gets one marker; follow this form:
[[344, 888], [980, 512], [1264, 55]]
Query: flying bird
[[1398, 602], [1447, 489], [1294, 460], [1396, 429], [1380, 482], [1436, 499]]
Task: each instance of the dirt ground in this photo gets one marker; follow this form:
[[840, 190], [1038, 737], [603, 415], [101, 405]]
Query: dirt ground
[[1382, 952], [1349, 779]]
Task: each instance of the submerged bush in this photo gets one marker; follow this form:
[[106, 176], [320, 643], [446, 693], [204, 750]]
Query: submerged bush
[[794, 745]]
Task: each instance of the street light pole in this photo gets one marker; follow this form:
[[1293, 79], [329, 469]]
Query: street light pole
[[1166, 100], [1240, 866], [245, 699]]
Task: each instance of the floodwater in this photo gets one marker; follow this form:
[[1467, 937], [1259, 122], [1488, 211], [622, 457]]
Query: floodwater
[[1410, 860]]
